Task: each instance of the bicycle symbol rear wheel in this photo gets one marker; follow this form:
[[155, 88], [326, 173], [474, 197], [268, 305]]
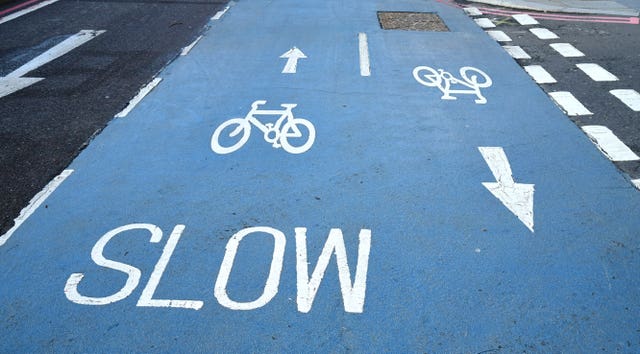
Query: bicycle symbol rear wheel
[[427, 76], [291, 130], [243, 127]]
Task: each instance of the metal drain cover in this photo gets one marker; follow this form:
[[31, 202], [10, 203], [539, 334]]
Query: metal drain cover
[[411, 21]]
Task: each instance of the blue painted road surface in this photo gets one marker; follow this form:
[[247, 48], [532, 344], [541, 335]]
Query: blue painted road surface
[[360, 208]]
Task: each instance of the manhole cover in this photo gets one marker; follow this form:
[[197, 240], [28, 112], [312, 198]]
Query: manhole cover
[[411, 21]]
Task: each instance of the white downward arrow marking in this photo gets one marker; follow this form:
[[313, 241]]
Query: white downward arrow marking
[[292, 56], [517, 197], [14, 81]]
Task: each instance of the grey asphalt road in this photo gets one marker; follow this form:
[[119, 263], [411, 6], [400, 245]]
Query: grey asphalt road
[[44, 126]]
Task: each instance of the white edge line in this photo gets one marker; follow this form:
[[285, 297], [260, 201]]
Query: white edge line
[[34, 203], [26, 11], [188, 48], [134, 101], [363, 46], [221, 13]]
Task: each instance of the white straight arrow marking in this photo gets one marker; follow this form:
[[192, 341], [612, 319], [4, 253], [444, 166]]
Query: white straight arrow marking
[[517, 197], [14, 81], [292, 56]]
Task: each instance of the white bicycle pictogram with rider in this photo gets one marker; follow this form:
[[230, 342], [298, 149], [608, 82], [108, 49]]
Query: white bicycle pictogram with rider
[[278, 134], [472, 78]]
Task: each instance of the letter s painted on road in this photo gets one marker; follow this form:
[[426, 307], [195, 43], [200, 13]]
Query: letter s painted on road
[[133, 273]]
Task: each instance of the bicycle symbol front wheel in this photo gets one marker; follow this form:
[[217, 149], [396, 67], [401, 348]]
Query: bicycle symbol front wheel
[[291, 129], [468, 74], [242, 127]]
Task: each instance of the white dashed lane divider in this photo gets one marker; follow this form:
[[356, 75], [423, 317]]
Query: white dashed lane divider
[[566, 50], [516, 52], [499, 36], [221, 13], [609, 143], [569, 103], [134, 101], [525, 20], [596, 72], [539, 74], [188, 48], [484, 22], [629, 97], [35, 203], [543, 33]]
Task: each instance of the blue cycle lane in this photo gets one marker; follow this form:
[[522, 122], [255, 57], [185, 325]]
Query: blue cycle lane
[[373, 215]]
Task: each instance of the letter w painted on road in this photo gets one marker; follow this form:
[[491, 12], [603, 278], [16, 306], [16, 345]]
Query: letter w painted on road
[[15, 82], [352, 295]]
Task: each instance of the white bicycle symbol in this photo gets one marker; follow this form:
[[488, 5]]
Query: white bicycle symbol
[[443, 80], [278, 134]]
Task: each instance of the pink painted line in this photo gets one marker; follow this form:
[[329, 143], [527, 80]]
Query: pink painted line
[[17, 7], [559, 17], [556, 17]]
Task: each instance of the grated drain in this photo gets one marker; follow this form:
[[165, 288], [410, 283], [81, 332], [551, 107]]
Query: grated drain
[[412, 21]]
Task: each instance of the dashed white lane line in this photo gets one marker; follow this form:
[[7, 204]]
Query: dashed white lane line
[[596, 72], [484, 23], [636, 182], [609, 143], [629, 97], [35, 203], [134, 101], [525, 19], [188, 48], [363, 48], [567, 50], [569, 103], [516, 52], [472, 11], [26, 11], [221, 13], [543, 33], [539, 74], [499, 36]]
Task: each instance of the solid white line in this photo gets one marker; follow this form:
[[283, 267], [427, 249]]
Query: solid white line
[[569, 103], [499, 36], [629, 97], [143, 92], [596, 72], [636, 182], [609, 143], [484, 22], [539, 74], [525, 19], [35, 202], [26, 11], [567, 50], [363, 46], [188, 48], [516, 52], [57, 51], [543, 33], [472, 11]]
